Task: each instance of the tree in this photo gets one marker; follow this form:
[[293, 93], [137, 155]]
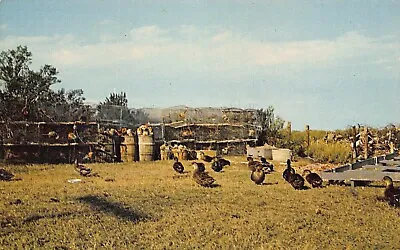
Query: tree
[[115, 108], [26, 94], [69, 106], [270, 126], [116, 99], [14, 72]]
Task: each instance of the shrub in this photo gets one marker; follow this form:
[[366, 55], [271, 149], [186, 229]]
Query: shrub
[[339, 152], [334, 152]]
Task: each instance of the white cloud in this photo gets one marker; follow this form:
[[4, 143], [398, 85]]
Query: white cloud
[[148, 34], [107, 22], [188, 30], [34, 40], [194, 48], [222, 37], [101, 54]]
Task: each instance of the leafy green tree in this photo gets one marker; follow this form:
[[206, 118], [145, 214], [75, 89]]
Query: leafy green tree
[[69, 106], [14, 75], [26, 94], [116, 99], [115, 108], [270, 126]]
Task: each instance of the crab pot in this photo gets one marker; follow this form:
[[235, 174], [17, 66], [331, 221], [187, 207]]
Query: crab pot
[[128, 151], [185, 155], [146, 147], [164, 154], [182, 155]]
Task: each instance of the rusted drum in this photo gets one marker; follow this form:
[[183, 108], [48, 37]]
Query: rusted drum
[[146, 148], [146, 143], [128, 150]]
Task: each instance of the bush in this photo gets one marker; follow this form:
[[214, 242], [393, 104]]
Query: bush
[[296, 143], [339, 152], [334, 152]]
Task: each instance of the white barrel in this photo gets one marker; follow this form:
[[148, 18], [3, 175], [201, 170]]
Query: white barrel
[[281, 155], [268, 153]]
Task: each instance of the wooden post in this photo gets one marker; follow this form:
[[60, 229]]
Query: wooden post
[[1, 148], [354, 142], [391, 144], [163, 130], [366, 142], [308, 135], [289, 129]]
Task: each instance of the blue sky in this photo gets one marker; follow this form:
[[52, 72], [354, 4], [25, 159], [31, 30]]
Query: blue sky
[[329, 64]]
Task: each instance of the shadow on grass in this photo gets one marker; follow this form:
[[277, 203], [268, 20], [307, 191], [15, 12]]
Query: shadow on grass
[[302, 188], [179, 176], [214, 185], [269, 183], [37, 217], [358, 184], [377, 185], [114, 208]]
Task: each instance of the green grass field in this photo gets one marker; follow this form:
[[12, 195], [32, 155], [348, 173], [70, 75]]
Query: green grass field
[[149, 206]]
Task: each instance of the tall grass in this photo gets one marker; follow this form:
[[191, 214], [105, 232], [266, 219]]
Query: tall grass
[[332, 152], [149, 206], [338, 152]]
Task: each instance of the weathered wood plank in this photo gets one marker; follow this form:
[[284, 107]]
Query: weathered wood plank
[[360, 175], [370, 161], [390, 162], [392, 156], [49, 144], [340, 169], [372, 166], [380, 157], [381, 168]]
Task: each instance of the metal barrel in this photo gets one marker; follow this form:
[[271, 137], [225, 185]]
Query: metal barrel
[[281, 155], [146, 147], [128, 150]]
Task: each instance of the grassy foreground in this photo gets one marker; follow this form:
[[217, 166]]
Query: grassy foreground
[[149, 206]]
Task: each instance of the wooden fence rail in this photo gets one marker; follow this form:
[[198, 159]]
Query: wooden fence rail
[[372, 169]]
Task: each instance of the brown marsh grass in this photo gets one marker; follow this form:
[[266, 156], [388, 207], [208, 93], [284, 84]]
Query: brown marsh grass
[[147, 205]]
